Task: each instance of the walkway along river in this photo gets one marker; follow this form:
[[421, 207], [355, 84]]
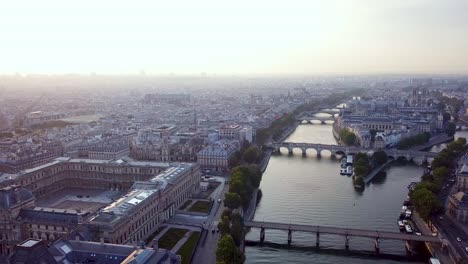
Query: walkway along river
[[307, 190]]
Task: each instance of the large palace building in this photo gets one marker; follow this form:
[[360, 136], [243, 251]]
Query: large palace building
[[107, 201]]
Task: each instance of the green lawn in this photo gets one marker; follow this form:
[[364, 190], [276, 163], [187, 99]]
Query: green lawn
[[187, 249], [201, 207], [171, 237], [152, 236], [185, 204]]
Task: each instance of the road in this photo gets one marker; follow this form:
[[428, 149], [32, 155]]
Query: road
[[206, 250], [451, 232], [446, 227]]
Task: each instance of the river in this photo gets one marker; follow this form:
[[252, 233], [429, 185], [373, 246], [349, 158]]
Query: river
[[307, 190], [440, 147]]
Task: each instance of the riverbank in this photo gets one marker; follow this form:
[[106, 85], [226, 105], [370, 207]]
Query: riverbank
[[288, 132], [375, 171]]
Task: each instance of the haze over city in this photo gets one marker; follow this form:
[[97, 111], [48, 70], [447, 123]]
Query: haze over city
[[237, 37], [232, 132]]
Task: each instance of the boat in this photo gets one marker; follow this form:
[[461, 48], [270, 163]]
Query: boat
[[408, 214], [408, 229], [349, 160], [407, 202], [343, 171], [403, 212], [343, 161], [349, 170], [401, 225], [343, 166]]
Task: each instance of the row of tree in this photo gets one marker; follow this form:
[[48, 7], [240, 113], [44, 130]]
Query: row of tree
[[424, 195], [363, 165], [347, 137], [416, 140], [246, 154], [244, 180], [232, 232]]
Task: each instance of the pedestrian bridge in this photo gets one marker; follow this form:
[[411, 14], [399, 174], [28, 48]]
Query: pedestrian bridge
[[346, 232], [345, 150]]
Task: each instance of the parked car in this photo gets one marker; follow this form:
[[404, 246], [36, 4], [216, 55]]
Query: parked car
[[219, 200], [458, 239]]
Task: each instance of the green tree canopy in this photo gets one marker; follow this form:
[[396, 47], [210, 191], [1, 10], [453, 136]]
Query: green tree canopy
[[227, 251], [224, 225], [347, 137], [359, 181], [232, 200], [251, 155], [361, 171], [425, 202], [237, 228], [379, 157]]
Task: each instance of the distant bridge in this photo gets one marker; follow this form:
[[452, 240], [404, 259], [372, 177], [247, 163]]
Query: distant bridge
[[310, 119], [339, 149], [346, 232], [310, 116]]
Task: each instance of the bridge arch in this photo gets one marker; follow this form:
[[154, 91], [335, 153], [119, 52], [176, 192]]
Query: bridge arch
[[311, 152]]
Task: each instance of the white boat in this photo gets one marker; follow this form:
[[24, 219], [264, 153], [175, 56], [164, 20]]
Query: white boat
[[408, 229], [343, 171], [401, 225], [349, 160], [349, 170]]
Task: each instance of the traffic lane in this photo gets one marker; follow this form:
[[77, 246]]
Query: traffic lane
[[449, 231]]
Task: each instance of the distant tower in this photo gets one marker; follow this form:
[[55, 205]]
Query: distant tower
[[440, 120]]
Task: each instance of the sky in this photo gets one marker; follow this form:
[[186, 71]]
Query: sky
[[234, 37]]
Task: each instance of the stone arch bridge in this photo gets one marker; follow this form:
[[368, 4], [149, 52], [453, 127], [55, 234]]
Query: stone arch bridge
[[345, 150], [309, 119]]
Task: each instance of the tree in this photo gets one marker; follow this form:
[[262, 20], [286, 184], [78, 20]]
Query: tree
[[347, 137], [224, 225], [232, 200], [237, 186], [226, 213], [235, 159], [439, 174], [261, 136], [227, 251], [380, 157], [425, 202], [359, 182], [251, 155], [255, 175], [361, 171], [451, 129], [237, 228]]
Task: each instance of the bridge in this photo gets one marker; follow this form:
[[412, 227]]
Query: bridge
[[346, 232], [339, 149], [309, 119]]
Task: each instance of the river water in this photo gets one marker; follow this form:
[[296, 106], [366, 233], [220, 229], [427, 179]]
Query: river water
[[440, 147], [307, 190]]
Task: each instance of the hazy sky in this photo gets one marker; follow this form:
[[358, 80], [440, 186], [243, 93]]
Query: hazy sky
[[224, 37]]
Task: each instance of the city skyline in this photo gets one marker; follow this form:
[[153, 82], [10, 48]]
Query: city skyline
[[305, 37]]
